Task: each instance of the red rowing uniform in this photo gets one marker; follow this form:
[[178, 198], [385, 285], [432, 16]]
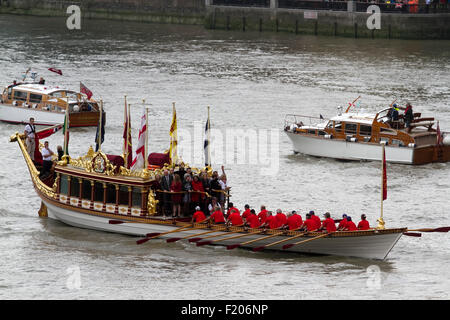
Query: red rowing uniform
[[233, 209], [363, 225], [342, 224], [328, 224], [253, 221], [235, 218], [199, 216], [217, 217], [310, 224], [246, 213], [273, 223], [317, 221], [281, 219], [351, 226], [294, 221], [262, 216]]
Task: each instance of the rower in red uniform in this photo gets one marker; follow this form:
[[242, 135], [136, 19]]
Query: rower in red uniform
[[262, 216], [316, 219], [252, 220], [343, 223], [246, 212], [281, 218], [328, 223], [198, 216], [350, 225], [309, 224], [235, 218], [217, 216], [294, 221], [271, 221], [363, 224], [231, 208]]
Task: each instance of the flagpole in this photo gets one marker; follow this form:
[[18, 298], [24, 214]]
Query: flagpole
[[146, 137], [209, 140], [99, 136], [66, 132], [125, 123], [380, 220], [129, 138]]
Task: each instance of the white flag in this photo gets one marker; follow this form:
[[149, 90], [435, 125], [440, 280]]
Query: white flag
[[139, 154]]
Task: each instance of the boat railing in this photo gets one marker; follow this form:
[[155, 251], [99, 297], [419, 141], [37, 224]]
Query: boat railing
[[301, 120]]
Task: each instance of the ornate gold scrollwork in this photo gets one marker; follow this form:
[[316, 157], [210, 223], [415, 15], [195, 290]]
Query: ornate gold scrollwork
[[151, 203]]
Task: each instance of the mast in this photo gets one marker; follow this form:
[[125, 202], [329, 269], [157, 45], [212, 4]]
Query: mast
[[383, 187], [99, 136], [146, 137], [66, 128]]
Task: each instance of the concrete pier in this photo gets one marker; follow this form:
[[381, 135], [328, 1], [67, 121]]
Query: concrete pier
[[269, 18]]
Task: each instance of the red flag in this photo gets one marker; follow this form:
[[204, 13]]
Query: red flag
[[85, 90], [139, 156], [42, 135], [127, 143], [58, 71], [384, 176]]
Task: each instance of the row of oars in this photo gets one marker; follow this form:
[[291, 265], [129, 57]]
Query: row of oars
[[200, 241]]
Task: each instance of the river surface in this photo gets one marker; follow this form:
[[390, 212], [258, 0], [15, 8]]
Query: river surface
[[251, 81]]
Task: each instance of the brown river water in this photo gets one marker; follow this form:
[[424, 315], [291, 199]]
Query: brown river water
[[251, 81]]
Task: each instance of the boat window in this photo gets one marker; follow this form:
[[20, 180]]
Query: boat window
[[337, 126], [20, 95], [9, 93], [312, 132], [57, 94], [98, 192], [74, 187], [35, 98], [322, 133], [86, 190], [63, 184], [137, 197], [330, 125], [396, 142], [111, 193], [388, 131], [365, 130], [350, 128], [123, 195]]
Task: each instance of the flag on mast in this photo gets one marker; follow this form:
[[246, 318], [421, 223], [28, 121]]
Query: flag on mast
[[173, 138], [206, 146], [100, 129], [58, 71], [127, 141], [139, 156], [85, 90]]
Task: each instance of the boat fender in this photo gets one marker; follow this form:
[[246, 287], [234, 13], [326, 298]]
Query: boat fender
[[14, 103], [328, 136], [384, 142], [411, 145], [35, 106], [26, 105], [293, 127], [446, 140], [353, 139], [76, 108]]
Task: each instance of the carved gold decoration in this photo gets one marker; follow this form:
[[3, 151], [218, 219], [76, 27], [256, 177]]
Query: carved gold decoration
[[151, 203], [39, 185], [381, 224], [43, 210]]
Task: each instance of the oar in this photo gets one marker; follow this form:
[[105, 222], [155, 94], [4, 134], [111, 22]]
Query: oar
[[232, 246], [289, 245], [192, 235], [440, 229], [280, 241], [116, 221], [228, 238], [150, 236], [412, 234]]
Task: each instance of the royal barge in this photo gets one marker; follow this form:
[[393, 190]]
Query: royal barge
[[96, 191]]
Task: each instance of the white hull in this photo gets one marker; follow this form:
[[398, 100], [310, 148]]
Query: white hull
[[374, 246], [22, 115], [340, 149]]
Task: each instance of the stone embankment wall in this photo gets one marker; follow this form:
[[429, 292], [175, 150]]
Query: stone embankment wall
[[269, 19]]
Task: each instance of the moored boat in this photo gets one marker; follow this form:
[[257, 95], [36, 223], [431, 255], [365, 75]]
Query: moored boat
[[47, 105], [360, 136]]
